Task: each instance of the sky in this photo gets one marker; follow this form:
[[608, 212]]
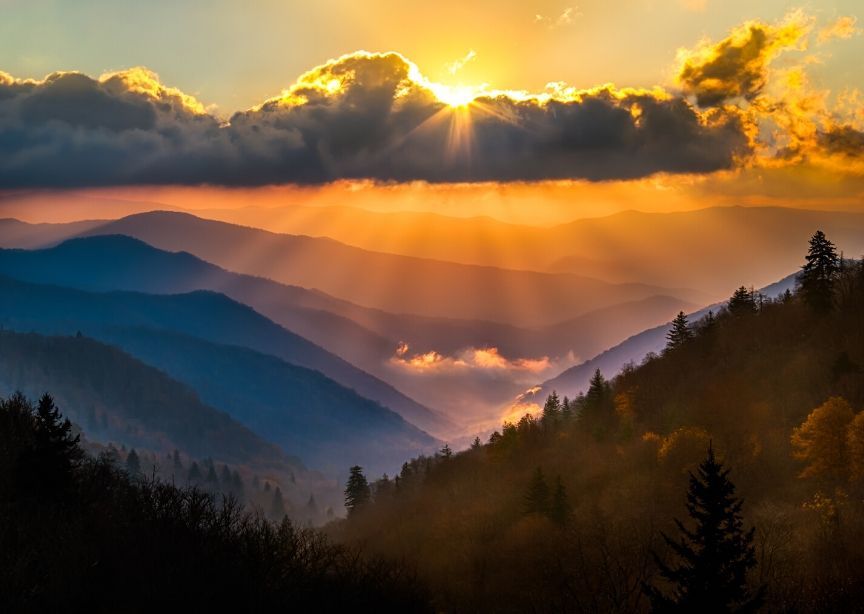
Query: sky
[[234, 54], [711, 102]]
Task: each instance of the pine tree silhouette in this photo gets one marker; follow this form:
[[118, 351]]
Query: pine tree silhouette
[[537, 497], [680, 332], [560, 510], [357, 492], [817, 277], [742, 302], [715, 556]]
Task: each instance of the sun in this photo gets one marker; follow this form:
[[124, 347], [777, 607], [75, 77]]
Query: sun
[[455, 95]]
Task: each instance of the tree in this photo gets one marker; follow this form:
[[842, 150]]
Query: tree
[[820, 271], [559, 509], [551, 409], [194, 476], [742, 302], [566, 410], [133, 463], [446, 451], [537, 499], [821, 441], [597, 408], [54, 434], [357, 493], [855, 448], [277, 505], [476, 445], [714, 556], [178, 464], [680, 332]]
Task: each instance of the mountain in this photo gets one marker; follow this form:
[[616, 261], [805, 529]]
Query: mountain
[[702, 249], [631, 351], [759, 412], [115, 397], [15, 233], [329, 426], [132, 265], [398, 284], [365, 337]]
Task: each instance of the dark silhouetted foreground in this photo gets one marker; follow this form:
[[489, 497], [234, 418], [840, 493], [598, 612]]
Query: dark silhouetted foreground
[[79, 534]]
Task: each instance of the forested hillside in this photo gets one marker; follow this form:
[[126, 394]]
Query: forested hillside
[[114, 397], [565, 511], [79, 534]]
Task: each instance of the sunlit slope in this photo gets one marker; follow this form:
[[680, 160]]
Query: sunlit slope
[[631, 351], [398, 284]]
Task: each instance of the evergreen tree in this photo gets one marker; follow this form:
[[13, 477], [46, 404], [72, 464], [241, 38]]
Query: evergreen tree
[[133, 463], [446, 451], [820, 271], [566, 410], [476, 445], [597, 408], [551, 409], [225, 479], [212, 478], [680, 332], [742, 302], [237, 485], [178, 464], [537, 499], [277, 506], [311, 508], [194, 476], [357, 493], [560, 510], [54, 439], [715, 555]]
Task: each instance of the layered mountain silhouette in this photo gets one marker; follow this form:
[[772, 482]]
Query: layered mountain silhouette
[[691, 248], [113, 262], [365, 337], [115, 397], [329, 426], [398, 284], [186, 322]]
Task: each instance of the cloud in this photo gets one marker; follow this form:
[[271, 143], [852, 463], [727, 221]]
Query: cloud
[[843, 27], [566, 18], [486, 359], [362, 116], [789, 122], [455, 67], [737, 66]]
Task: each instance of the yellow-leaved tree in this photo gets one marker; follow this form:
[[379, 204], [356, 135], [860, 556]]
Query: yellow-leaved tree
[[821, 441], [855, 448]]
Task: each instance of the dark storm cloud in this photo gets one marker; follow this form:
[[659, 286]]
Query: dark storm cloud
[[369, 116]]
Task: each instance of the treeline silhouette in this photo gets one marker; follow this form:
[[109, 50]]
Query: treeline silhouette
[[79, 533], [573, 508]]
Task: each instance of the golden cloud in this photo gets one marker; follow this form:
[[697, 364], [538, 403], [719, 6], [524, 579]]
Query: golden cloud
[[487, 359], [375, 116], [843, 27], [737, 66]]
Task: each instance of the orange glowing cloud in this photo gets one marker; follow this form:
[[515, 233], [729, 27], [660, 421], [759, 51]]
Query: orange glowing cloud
[[481, 359]]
